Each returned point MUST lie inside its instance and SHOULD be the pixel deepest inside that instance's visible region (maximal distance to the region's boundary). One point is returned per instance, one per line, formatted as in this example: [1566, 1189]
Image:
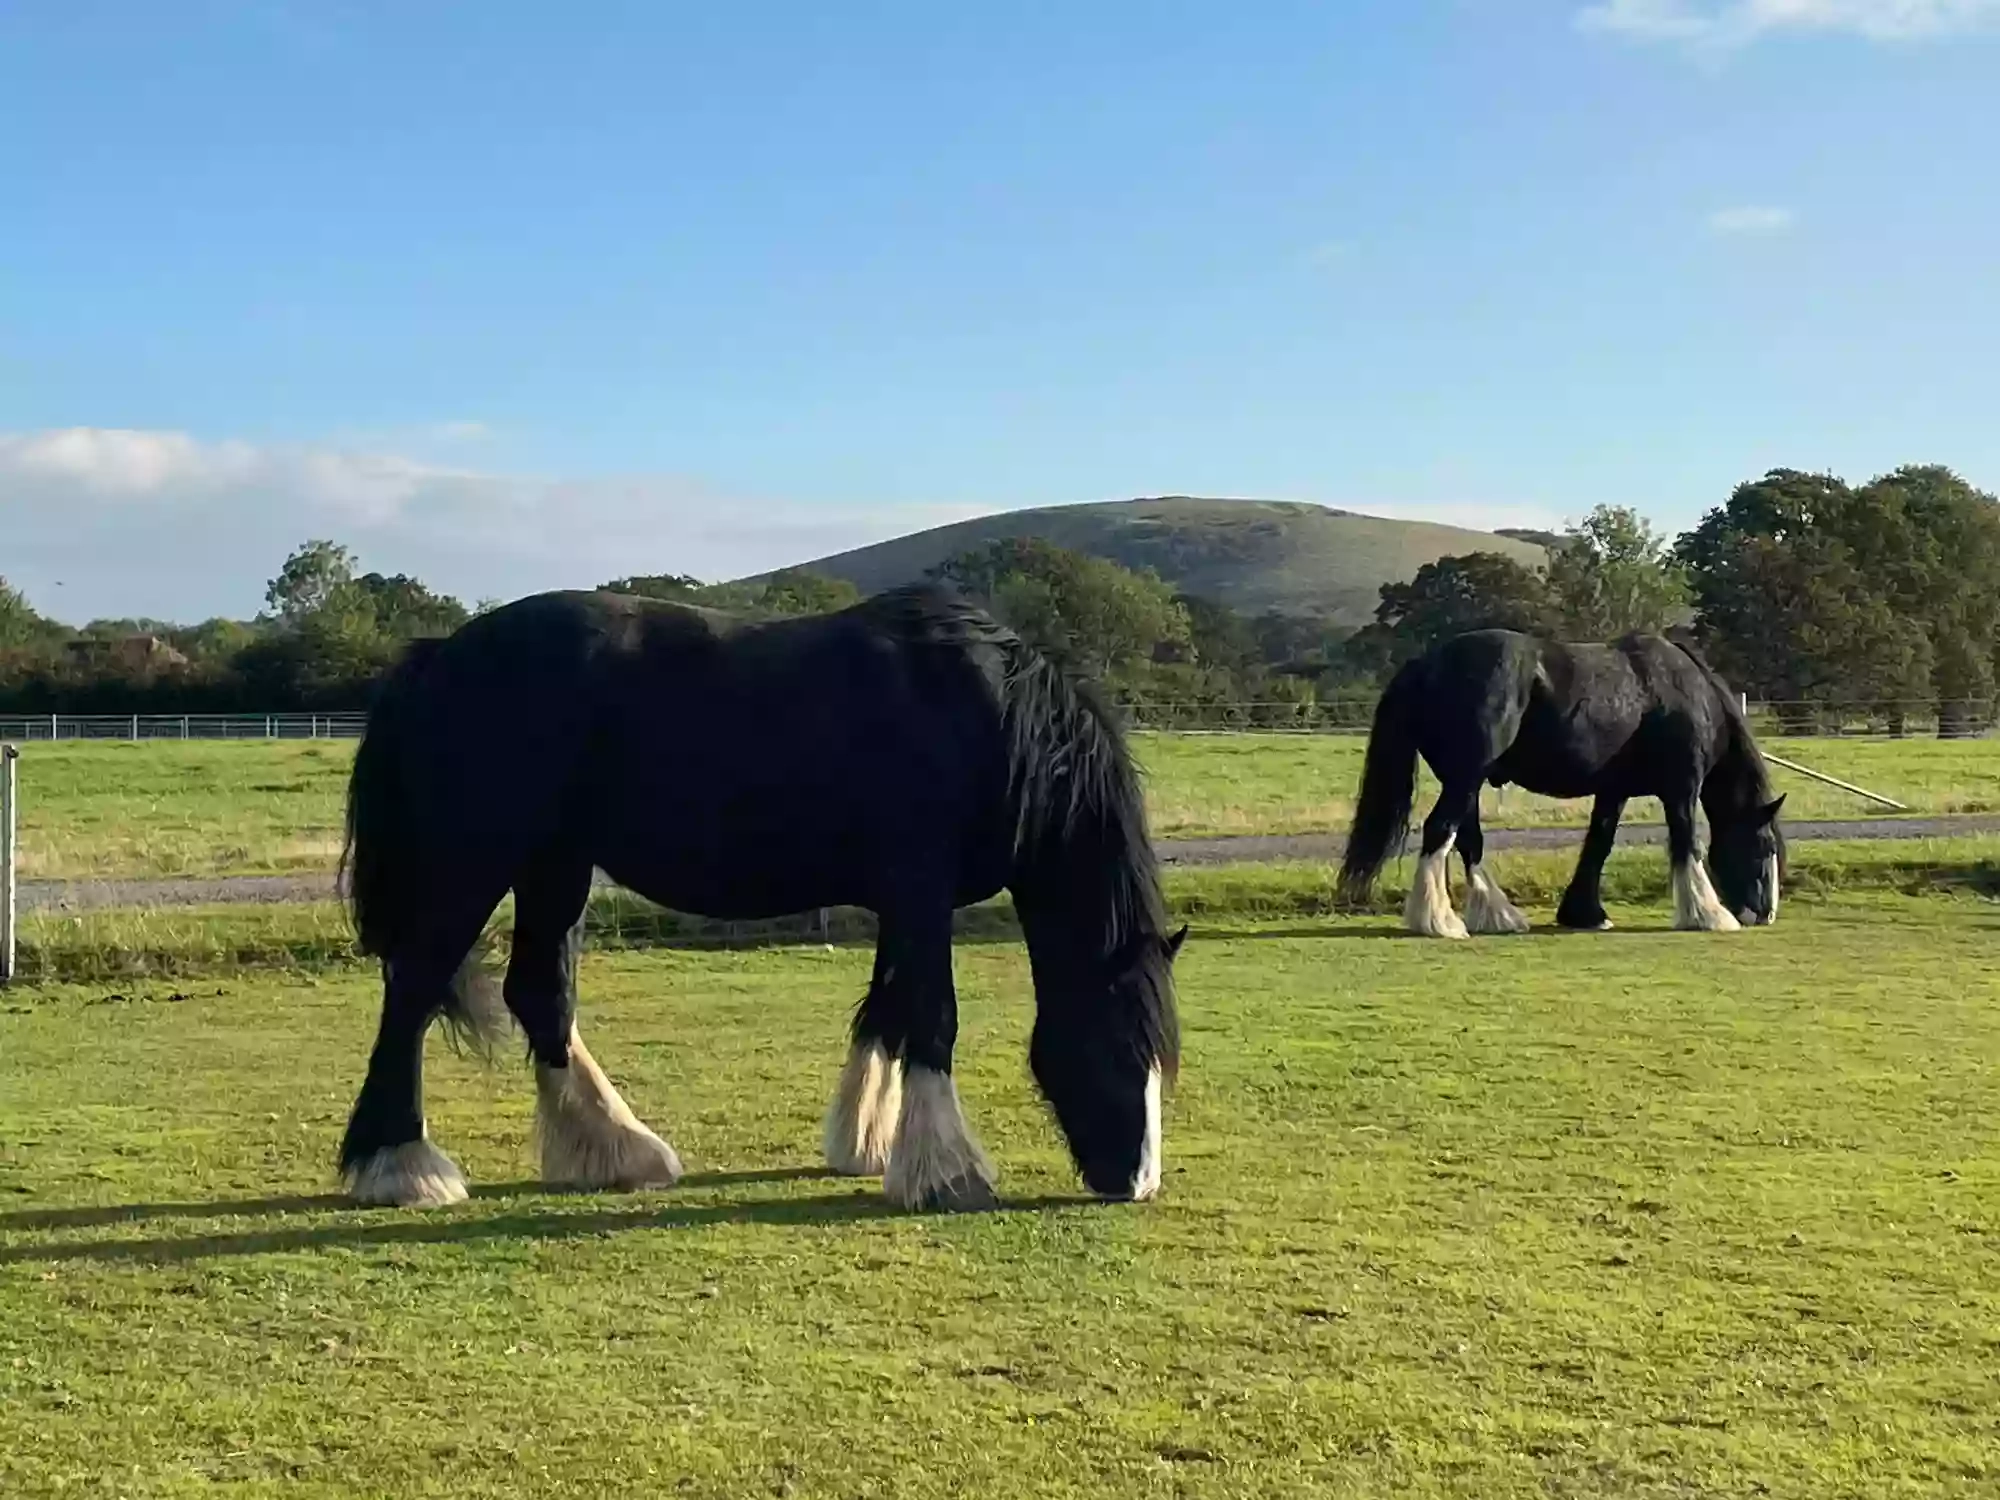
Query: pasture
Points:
[1639, 1213]
[166, 808]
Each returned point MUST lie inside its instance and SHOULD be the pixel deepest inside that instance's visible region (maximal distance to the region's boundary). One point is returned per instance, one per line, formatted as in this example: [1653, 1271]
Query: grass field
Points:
[169, 808]
[138, 943]
[1634, 1214]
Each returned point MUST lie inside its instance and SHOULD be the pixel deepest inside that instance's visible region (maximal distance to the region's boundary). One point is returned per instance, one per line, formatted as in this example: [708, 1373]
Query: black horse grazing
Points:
[1642, 717]
[907, 756]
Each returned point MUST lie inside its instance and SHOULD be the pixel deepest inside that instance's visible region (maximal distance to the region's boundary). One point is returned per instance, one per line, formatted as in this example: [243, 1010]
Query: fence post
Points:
[9, 785]
[135, 727]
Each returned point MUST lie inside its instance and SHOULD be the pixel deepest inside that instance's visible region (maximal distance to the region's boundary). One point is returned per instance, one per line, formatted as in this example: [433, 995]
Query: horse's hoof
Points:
[1583, 923]
[413, 1175]
[962, 1195]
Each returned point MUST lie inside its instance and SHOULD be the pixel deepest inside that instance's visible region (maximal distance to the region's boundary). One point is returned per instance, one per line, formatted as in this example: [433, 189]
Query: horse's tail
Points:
[1388, 783]
[1081, 843]
[381, 860]
[378, 862]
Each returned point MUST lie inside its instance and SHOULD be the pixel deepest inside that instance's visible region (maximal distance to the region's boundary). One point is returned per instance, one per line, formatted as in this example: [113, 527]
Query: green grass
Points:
[172, 808]
[1278, 783]
[181, 808]
[139, 943]
[1633, 1214]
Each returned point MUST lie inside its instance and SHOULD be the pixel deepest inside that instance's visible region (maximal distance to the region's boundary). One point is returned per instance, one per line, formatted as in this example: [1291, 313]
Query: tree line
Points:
[1829, 599]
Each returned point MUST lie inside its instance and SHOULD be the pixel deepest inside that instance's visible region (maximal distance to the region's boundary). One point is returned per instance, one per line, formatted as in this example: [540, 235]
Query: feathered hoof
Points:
[1500, 921]
[597, 1157]
[1446, 924]
[969, 1194]
[1708, 921]
[413, 1175]
[861, 1122]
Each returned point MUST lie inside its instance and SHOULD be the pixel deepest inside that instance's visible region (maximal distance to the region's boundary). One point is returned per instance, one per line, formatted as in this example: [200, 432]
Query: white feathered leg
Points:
[1696, 906]
[1487, 909]
[861, 1123]
[1427, 911]
[935, 1162]
[589, 1138]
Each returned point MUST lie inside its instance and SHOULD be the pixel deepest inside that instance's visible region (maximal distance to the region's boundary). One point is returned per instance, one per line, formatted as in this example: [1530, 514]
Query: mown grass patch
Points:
[1635, 1214]
[95, 810]
[1222, 784]
[162, 942]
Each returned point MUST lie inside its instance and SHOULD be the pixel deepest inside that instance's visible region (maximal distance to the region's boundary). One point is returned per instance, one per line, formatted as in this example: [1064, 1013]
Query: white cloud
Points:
[1751, 219]
[461, 431]
[1742, 22]
[105, 521]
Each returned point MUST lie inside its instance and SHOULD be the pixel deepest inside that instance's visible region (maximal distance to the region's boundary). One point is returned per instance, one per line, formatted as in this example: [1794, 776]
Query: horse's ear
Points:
[1769, 813]
[1173, 944]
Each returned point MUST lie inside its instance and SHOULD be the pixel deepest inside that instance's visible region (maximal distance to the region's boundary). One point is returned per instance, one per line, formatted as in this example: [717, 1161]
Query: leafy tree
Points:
[21, 628]
[309, 581]
[1612, 573]
[799, 591]
[1890, 591]
[1476, 591]
[681, 588]
[1221, 638]
[403, 608]
[1087, 611]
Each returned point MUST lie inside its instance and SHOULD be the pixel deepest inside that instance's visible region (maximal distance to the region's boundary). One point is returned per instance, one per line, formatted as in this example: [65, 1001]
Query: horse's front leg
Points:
[867, 1105]
[588, 1135]
[1696, 906]
[935, 1162]
[1487, 909]
[1583, 903]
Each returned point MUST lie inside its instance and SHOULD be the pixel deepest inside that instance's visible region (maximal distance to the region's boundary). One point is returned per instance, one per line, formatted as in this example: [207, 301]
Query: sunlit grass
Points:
[94, 810]
[1633, 1214]
[128, 943]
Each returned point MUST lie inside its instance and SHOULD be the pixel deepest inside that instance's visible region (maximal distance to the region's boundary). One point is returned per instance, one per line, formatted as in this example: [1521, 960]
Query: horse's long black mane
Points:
[1745, 774]
[1071, 774]
[1080, 840]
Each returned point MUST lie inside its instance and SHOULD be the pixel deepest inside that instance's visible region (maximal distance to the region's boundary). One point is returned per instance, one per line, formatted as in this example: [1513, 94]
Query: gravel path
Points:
[251, 890]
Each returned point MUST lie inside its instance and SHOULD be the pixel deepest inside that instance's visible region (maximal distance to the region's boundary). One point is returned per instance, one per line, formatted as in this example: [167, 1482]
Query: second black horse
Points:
[1642, 717]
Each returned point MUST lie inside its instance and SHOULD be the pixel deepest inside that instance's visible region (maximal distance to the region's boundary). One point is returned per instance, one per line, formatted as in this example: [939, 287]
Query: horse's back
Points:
[732, 767]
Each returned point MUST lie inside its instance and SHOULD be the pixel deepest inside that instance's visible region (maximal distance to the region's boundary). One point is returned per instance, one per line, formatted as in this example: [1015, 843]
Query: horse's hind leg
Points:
[934, 1162]
[386, 1155]
[1487, 909]
[1427, 910]
[861, 1122]
[588, 1136]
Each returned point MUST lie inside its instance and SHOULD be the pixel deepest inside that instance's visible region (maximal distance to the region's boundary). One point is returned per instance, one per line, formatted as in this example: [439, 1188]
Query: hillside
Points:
[1253, 555]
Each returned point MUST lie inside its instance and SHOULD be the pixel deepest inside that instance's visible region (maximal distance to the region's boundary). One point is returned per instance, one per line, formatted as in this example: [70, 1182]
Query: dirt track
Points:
[80, 895]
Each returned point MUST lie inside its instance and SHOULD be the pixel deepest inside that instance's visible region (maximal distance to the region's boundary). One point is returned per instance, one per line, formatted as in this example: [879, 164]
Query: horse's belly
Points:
[1561, 777]
[756, 879]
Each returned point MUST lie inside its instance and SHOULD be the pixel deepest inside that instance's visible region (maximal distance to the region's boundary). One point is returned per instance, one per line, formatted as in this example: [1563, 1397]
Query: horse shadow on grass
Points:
[362, 1227]
[107, 1215]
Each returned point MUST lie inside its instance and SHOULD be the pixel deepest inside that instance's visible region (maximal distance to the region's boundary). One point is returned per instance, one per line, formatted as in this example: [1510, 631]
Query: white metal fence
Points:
[1328, 716]
[22, 727]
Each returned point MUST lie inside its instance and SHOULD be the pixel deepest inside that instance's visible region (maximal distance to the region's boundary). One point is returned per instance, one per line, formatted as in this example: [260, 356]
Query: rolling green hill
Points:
[1252, 555]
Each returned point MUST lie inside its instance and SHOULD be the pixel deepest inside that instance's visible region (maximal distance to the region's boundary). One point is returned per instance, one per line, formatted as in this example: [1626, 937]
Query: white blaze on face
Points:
[1771, 884]
[1146, 1181]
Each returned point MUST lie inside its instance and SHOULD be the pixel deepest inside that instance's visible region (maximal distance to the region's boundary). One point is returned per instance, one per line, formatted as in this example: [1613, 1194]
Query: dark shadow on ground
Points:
[376, 1227]
[105, 1215]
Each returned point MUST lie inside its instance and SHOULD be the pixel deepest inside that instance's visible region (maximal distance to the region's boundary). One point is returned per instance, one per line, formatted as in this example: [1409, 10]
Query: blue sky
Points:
[518, 295]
